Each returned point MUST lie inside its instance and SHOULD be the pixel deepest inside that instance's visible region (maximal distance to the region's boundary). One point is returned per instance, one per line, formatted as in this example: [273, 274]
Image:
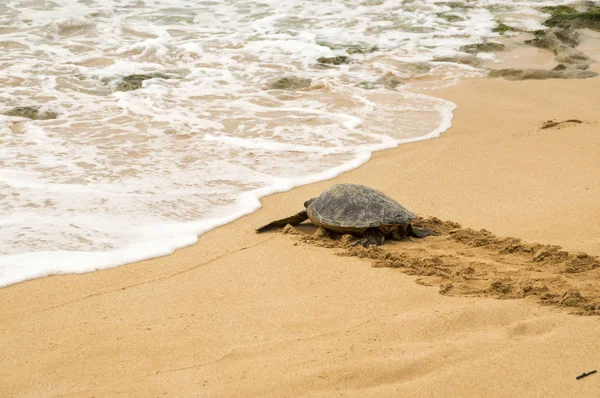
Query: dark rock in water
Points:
[133, 82]
[356, 49]
[368, 85]
[31, 112]
[554, 38]
[389, 80]
[451, 17]
[541, 74]
[339, 60]
[290, 83]
[471, 61]
[487, 47]
[456, 5]
[575, 57]
[562, 9]
[563, 42]
[573, 19]
[415, 67]
[350, 48]
[502, 28]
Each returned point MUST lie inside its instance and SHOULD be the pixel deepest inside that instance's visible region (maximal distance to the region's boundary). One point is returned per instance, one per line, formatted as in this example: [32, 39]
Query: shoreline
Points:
[97, 261]
[517, 55]
[240, 313]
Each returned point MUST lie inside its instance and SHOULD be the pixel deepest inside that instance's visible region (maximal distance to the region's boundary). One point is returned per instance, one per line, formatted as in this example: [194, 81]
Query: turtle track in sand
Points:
[465, 262]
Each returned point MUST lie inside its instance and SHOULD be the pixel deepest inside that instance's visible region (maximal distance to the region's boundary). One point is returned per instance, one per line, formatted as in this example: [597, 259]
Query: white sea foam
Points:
[124, 176]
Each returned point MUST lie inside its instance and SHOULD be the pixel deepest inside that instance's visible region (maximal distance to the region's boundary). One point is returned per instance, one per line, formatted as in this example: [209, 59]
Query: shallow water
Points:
[124, 176]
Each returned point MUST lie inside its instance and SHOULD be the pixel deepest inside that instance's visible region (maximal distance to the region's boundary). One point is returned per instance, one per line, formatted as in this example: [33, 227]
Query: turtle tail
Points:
[293, 220]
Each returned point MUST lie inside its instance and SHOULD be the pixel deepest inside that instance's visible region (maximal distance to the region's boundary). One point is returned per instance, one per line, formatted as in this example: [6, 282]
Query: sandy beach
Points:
[245, 314]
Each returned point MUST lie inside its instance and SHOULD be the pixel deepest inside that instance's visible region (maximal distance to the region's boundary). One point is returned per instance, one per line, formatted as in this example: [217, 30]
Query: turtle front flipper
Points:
[372, 236]
[293, 220]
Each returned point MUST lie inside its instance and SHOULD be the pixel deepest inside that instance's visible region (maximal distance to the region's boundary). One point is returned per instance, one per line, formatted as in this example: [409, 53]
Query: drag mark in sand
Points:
[465, 262]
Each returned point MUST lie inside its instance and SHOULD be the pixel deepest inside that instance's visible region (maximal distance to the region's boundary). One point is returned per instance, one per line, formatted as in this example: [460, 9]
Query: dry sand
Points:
[245, 314]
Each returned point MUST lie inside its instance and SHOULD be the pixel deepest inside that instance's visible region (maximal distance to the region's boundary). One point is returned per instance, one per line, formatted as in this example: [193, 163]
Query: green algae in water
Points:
[567, 16]
[588, 19]
[502, 28]
[451, 17]
[455, 5]
[559, 10]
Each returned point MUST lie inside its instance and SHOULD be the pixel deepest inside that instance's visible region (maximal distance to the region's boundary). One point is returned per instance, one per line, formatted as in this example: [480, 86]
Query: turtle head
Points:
[309, 202]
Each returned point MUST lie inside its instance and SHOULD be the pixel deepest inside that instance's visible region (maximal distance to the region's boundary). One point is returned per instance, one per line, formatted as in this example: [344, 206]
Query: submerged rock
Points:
[562, 9]
[456, 5]
[338, 60]
[562, 42]
[574, 57]
[471, 61]
[368, 85]
[358, 49]
[568, 17]
[451, 17]
[554, 38]
[541, 74]
[350, 48]
[502, 28]
[487, 47]
[133, 82]
[290, 83]
[389, 80]
[31, 112]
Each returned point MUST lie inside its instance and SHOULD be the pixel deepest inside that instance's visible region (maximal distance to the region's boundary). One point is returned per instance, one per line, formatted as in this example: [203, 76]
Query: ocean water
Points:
[124, 176]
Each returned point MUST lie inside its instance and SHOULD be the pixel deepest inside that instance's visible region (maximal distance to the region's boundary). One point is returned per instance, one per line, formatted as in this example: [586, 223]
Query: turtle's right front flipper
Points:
[293, 220]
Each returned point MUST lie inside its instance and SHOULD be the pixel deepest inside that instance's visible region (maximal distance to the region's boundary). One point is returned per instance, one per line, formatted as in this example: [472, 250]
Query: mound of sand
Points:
[465, 262]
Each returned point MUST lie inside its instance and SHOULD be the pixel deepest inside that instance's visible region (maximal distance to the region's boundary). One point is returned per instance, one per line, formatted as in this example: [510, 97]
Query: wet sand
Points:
[245, 314]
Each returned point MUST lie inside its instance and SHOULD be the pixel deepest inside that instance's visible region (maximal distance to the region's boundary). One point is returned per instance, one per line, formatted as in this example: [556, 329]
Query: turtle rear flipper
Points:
[293, 220]
[372, 236]
[421, 232]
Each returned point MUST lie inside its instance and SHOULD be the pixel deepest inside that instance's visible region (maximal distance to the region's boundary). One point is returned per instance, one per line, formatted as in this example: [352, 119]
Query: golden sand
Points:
[243, 314]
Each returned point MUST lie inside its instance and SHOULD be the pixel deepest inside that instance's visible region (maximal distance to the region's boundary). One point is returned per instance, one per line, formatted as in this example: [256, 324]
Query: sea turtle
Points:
[357, 210]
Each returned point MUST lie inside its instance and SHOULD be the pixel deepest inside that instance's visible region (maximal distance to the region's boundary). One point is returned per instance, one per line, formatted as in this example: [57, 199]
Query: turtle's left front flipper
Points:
[293, 220]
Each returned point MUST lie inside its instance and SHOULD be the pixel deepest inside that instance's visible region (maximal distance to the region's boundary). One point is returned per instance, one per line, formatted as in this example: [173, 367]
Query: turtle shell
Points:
[350, 206]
